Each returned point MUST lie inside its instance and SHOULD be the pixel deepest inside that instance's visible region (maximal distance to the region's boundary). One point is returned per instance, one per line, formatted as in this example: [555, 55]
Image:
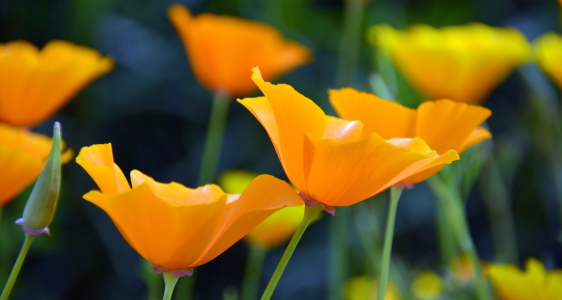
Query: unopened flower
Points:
[461, 63]
[333, 161]
[35, 84]
[223, 49]
[442, 124]
[174, 227]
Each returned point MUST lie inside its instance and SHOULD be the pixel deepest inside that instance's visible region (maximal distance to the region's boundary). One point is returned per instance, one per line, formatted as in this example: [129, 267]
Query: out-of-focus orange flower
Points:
[442, 124]
[334, 161]
[223, 49]
[175, 227]
[277, 228]
[535, 283]
[548, 55]
[461, 63]
[35, 83]
[364, 288]
[22, 156]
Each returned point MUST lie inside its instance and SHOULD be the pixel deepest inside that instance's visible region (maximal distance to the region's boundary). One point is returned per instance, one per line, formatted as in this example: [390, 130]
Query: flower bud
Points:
[40, 208]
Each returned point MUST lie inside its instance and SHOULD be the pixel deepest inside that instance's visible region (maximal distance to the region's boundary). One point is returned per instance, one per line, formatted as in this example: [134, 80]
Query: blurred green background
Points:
[155, 114]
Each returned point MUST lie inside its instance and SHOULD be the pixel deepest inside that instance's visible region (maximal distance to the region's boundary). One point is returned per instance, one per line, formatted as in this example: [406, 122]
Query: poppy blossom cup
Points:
[442, 124]
[35, 84]
[223, 49]
[174, 227]
[334, 161]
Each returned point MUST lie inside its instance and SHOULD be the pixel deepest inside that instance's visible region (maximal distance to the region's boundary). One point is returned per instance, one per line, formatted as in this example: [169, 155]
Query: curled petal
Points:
[97, 160]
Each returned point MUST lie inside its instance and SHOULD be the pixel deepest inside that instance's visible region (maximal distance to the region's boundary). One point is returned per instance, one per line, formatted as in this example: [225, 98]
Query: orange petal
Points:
[38, 83]
[344, 174]
[446, 125]
[264, 196]
[386, 118]
[167, 233]
[222, 68]
[479, 134]
[294, 115]
[277, 228]
[18, 171]
[97, 160]
[342, 130]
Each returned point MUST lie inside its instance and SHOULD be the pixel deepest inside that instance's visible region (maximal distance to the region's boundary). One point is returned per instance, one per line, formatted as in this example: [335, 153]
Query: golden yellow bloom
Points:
[535, 283]
[548, 55]
[365, 288]
[426, 286]
[442, 124]
[22, 156]
[175, 227]
[277, 228]
[223, 49]
[461, 63]
[35, 84]
[334, 161]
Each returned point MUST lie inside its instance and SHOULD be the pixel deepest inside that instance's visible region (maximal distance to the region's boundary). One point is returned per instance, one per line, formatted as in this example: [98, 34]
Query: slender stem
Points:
[310, 214]
[449, 198]
[350, 42]
[213, 143]
[395, 192]
[17, 266]
[338, 253]
[169, 283]
[495, 196]
[252, 274]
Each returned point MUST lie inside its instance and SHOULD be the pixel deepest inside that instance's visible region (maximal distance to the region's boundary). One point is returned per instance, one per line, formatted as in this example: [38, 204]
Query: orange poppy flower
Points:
[461, 63]
[277, 228]
[22, 156]
[223, 49]
[442, 124]
[333, 161]
[35, 84]
[175, 227]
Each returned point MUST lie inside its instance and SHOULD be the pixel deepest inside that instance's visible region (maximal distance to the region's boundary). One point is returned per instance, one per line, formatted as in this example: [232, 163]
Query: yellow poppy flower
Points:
[461, 63]
[35, 84]
[223, 49]
[334, 161]
[365, 288]
[548, 55]
[442, 124]
[22, 156]
[535, 283]
[427, 286]
[277, 228]
[174, 227]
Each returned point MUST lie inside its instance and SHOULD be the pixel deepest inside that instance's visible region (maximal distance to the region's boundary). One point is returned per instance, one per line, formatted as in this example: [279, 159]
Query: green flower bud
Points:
[40, 207]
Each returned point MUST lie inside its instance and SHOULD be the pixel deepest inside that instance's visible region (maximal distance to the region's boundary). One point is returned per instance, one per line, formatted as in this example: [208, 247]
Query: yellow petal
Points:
[264, 196]
[97, 160]
[386, 118]
[447, 125]
[224, 68]
[343, 174]
[547, 53]
[277, 228]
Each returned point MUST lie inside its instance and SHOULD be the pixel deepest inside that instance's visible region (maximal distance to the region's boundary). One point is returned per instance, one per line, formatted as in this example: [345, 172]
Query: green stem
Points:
[496, 199]
[17, 266]
[252, 274]
[395, 192]
[169, 283]
[338, 240]
[310, 214]
[213, 143]
[449, 198]
[350, 42]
